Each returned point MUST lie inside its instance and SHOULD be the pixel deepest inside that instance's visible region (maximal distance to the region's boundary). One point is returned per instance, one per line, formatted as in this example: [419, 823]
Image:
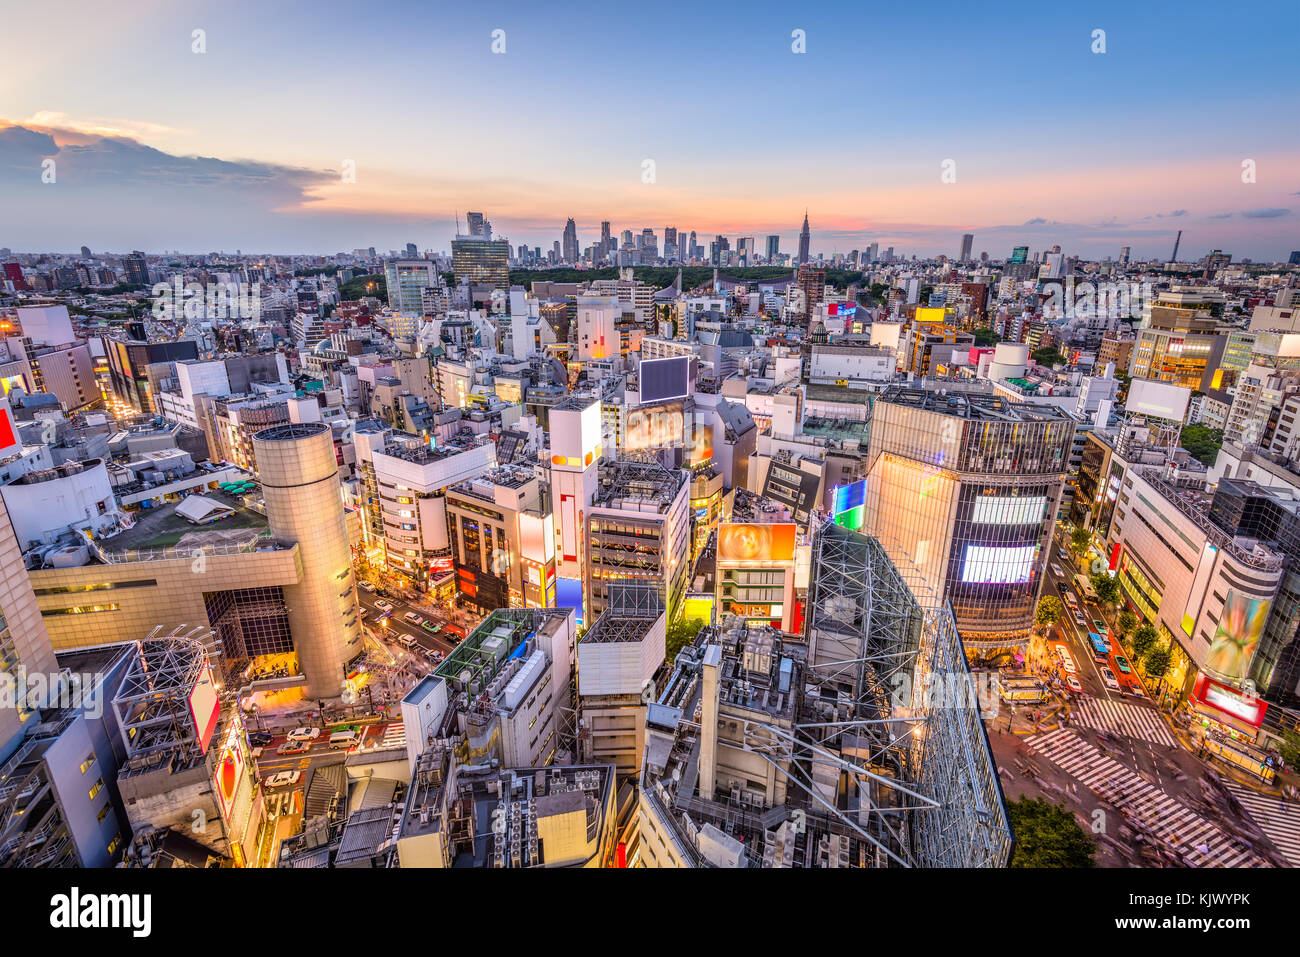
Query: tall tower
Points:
[804, 237]
[967, 242]
[570, 248]
[299, 476]
[1179, 239]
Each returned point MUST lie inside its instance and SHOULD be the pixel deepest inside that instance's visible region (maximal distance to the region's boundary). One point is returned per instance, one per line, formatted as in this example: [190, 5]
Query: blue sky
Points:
[1051, 142]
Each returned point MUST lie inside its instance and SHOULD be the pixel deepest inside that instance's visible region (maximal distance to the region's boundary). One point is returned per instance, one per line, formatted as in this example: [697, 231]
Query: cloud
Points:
[1220, 216]
[1270, 212]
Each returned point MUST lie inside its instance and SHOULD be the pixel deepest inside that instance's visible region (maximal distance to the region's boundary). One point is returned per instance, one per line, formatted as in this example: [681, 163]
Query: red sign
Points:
[1114, 555]
[1237, 706]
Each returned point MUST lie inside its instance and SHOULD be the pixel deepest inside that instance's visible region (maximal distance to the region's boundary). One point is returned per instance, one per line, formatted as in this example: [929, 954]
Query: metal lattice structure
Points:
[153, 702]
[890, 704]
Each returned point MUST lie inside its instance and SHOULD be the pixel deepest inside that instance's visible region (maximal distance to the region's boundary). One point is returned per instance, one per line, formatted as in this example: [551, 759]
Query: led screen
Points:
[1009, 510]
[984, 564]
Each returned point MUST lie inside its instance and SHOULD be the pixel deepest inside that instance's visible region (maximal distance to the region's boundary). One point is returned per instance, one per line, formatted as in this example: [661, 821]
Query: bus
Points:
[1085, 588]
[1100, 646]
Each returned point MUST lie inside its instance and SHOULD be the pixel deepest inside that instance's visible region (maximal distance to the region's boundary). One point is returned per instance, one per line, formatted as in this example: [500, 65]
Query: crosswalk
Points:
[395, 735]
[1204, 843]
[1136, 721]
[1279, 819]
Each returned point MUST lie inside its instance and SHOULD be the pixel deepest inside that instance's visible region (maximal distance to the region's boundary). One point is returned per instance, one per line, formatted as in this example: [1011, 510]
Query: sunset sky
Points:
[158, 147]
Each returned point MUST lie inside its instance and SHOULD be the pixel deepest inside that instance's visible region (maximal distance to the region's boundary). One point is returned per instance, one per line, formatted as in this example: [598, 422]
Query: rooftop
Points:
[968, 405]
[164, 528]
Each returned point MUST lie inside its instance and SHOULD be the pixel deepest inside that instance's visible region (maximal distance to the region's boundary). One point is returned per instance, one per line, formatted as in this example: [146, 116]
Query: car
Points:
[367, 586]
[1080, 620]
[1072, 682]
[282, 779]
[430, 627]
[413, 618]
[1057, 570]
[259, 739]
[1108, 679]
[1069, 598]
[303, 734]
[293, 747]
[384, 605]
[1122, 664]
[1099, 627]
[365, 612]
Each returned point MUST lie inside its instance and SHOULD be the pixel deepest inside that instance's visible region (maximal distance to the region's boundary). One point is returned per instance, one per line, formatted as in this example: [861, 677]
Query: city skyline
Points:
[200, 162]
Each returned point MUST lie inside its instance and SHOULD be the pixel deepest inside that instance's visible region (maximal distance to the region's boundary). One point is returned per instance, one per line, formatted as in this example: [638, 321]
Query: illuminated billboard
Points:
[1163, 400]
[931, 313]
[1228, 701]
[1009, 509]
[204, 710]
[1237, 636]
[658, 427]
[742, 542]
[998, 565]
[848, 505]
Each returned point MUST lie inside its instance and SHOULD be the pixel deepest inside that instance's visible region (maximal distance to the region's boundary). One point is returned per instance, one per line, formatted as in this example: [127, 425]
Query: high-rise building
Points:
[569, 244]
[406, 280]
[1019, 255]
[967, 241]
[773, 248]
[1124, 254]
[482, 262]
[298, 471]
[478, 226]
[805, 238]
[137, 271]
[966, 487]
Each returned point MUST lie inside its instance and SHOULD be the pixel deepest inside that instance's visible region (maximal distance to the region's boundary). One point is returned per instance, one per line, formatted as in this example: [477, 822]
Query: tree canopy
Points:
[1048, 835]
[1202, 442]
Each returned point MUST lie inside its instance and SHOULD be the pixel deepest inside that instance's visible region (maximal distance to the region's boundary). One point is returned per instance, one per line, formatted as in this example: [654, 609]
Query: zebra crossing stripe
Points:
[1167, 818]
[1278, 819]
[1131, 720]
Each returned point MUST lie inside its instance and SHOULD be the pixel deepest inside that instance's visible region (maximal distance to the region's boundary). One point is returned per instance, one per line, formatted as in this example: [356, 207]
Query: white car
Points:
[1080, 620]
[1057, 571]
[282, 779]
[367, 586]
[304, 734]
[384, 605]
[1072, 682]
[1067, 662]
[1108, 679]
[413, 618]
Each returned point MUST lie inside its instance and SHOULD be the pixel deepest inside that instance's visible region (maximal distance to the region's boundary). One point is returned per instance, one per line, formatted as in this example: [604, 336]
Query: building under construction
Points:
[861, 746]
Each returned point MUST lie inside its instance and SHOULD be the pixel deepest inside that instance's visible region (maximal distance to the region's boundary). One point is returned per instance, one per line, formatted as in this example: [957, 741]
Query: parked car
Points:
[304, 734]
[293, 747]
[367, 586]
[430, 627]
[282, 779]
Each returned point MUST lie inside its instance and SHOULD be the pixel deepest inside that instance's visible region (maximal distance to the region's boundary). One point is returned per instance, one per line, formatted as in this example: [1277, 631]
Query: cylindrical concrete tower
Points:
[299, 477]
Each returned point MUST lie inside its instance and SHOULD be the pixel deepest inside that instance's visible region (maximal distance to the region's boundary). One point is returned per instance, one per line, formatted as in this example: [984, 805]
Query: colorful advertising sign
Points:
[848, 505]
[740, 542]
[1237, 636]
[1229, 701]
[204, 710]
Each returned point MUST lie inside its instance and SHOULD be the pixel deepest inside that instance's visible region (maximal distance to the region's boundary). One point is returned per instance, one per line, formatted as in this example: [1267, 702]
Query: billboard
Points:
[664, 379]
[204, 709]
[1164, 400]
[1229, 701]
[743, 542]
[848, 505]
[658, 427]
[998, 565]
[931, 313]
[1237, 636]
[1009, 509]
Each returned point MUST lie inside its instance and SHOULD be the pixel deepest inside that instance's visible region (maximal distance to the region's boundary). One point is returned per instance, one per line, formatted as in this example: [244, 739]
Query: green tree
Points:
[1080, 539]
[986, 337]
[1048, 835]
[1106, 587]
[1202, 442]
[1127, 622]
[1050, 609]
[680, 634]
[1144, 640]
[1048, 357]
[1157, 661]
[1290, 748]
[358, 286]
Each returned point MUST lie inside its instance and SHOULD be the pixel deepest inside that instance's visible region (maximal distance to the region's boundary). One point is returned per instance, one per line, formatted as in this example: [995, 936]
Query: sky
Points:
[242, 136]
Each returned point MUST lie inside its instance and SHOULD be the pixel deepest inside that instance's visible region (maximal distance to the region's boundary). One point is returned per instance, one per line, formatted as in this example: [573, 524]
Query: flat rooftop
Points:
[161, 527]
[634, 484]
[969, 405]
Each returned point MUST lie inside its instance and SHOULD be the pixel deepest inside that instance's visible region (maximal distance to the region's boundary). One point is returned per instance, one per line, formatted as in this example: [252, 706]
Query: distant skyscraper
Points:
[85, 252]
[967, 241]
[569, 243]
[1295, 258]
[773, 248]
[1124, 254]
[406, 280]
[478, 226]
[412, 252]
[136, 269]
[1020, 254]
[606, 240]
[805, 237]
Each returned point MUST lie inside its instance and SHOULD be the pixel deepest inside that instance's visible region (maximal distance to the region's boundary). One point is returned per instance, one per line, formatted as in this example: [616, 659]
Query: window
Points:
[103, 813]
[115, 843]
[87, 764]
[96, 788]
